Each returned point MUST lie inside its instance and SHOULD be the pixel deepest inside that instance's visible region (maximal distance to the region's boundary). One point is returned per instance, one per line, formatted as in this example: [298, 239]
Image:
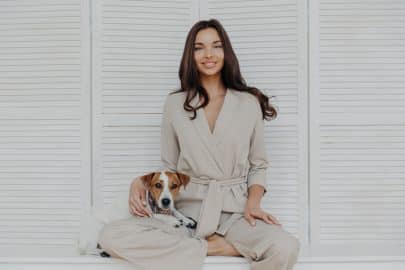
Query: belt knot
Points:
[212, 205]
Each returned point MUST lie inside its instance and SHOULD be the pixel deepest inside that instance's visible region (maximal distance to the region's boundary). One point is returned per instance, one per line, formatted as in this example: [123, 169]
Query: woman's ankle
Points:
[218, 246]
[212, 249]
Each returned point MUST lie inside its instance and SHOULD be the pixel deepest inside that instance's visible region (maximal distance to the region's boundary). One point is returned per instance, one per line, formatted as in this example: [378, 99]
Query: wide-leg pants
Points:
[153, 245]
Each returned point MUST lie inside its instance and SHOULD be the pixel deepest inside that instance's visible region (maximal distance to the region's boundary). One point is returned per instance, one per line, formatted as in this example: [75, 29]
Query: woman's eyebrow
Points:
[200, 43]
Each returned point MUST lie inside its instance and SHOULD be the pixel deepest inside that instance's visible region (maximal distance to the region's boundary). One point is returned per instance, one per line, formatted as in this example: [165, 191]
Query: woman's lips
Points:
[209, 64]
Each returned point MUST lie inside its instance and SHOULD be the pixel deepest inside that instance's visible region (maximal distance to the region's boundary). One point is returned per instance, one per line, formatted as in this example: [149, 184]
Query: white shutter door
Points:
[271, 51]
[137, 51]
[357, 127]
[44, 123]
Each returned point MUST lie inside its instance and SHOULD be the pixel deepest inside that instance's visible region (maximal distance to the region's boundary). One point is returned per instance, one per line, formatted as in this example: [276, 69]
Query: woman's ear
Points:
[184, 179]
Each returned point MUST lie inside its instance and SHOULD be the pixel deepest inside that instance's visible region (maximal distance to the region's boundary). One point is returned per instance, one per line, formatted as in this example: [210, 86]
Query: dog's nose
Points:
[166, 201]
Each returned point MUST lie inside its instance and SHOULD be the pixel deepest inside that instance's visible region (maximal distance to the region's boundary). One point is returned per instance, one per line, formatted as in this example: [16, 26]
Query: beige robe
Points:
[222, 165]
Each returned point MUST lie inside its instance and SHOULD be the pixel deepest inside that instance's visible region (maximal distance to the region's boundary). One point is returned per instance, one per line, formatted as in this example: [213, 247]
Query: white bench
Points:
[212, 263]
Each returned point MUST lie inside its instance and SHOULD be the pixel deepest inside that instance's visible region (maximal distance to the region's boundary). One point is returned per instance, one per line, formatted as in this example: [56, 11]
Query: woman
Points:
[213, 131]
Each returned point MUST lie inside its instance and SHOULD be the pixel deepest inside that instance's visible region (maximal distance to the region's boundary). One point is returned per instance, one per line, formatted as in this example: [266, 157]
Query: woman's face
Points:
[208, 52]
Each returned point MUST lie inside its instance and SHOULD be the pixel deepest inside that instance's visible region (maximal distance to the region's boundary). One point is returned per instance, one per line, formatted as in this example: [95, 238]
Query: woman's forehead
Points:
[207, 36]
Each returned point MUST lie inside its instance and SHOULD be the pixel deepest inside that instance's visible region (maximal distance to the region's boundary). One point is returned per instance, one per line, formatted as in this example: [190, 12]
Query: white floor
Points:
[58, 259]
[212, 263]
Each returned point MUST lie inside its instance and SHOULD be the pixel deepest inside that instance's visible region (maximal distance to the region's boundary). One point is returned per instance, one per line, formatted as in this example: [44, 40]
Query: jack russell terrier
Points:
[162, 190]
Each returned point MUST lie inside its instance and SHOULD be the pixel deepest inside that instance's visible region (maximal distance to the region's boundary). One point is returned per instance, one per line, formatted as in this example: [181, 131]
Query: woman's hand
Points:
[253, 211]
[137, 199]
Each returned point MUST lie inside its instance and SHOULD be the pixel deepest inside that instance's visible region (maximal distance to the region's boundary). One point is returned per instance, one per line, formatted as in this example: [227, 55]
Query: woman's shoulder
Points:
[247, 100]
[173, 98]
[173, 101]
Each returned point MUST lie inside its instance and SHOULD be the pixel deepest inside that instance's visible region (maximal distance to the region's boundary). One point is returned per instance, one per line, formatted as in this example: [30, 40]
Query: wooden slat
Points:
[137, 48]
[42, 152]
[357, 126]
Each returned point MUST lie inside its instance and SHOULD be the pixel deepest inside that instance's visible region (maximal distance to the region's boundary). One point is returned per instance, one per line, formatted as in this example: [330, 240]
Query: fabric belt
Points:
[212, 205]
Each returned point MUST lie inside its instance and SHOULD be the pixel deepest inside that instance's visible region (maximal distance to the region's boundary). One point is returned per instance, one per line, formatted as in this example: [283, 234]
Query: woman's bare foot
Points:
[218, 246]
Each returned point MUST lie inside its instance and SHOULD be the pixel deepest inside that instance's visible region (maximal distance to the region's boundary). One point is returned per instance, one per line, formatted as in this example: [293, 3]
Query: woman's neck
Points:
[213, 85]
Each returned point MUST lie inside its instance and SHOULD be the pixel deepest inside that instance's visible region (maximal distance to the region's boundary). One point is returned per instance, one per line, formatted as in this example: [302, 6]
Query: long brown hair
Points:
[230, 73]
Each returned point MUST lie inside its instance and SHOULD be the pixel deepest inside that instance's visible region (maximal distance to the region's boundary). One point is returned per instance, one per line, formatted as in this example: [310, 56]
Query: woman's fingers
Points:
[273, 219]
[134, 208]
[137, 207]
[143, 203]
[136, 212]
[142, 199]
[250, 219]
[268, 219]
[131, 207]
[137, 200]
[140, 205]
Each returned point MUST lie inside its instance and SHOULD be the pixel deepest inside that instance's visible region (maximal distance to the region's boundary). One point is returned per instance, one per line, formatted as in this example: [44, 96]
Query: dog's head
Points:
[164, 186]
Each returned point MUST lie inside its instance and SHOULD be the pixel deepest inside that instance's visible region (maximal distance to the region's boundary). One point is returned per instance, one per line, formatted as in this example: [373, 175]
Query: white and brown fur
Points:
[162, 189]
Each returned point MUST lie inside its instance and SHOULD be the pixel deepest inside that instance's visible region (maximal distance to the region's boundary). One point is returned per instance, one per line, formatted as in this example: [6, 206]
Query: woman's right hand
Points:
[137, 199]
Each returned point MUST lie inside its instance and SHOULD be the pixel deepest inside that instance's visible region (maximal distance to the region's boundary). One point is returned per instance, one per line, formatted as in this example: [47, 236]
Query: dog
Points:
[162, 189]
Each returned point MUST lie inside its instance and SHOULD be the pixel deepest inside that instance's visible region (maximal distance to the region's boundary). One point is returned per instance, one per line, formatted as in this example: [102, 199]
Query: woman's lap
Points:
[141, 242]
[254, 242]
[148, 243]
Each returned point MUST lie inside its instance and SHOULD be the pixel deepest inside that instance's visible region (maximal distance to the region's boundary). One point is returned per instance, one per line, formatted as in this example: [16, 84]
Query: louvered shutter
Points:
[137, 51]
[357, 127]
[266, 40]
[44, 123]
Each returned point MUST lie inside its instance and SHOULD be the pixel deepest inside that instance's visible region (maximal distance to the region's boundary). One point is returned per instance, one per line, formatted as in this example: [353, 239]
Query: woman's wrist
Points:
[253, 203]
[255, 194]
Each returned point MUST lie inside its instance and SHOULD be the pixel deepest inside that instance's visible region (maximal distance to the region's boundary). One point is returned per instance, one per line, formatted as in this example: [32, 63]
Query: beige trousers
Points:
[150, 244]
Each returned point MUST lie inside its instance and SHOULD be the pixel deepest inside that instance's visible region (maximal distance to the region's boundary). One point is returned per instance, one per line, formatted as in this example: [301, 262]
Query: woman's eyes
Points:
[199, 48]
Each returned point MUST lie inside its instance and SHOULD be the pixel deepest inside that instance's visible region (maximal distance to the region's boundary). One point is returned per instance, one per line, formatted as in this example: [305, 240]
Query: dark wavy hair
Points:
[230, 73]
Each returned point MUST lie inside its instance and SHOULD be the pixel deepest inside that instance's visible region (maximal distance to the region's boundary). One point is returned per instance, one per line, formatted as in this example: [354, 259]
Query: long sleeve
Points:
[169, 146]
[257, 154]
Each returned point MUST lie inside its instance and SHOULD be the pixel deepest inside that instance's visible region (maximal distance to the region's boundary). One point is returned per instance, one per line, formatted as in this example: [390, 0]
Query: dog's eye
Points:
[158, 185]
[174, 186]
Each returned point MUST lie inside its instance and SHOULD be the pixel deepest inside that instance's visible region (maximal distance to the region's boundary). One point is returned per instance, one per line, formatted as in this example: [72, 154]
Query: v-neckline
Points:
[207, 126]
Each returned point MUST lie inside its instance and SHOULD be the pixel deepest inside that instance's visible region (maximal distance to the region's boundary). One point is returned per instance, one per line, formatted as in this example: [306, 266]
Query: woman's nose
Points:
[208, 52]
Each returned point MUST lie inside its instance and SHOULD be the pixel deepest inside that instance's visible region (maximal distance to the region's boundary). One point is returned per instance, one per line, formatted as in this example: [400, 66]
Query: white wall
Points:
[45, 158]
[357, 126]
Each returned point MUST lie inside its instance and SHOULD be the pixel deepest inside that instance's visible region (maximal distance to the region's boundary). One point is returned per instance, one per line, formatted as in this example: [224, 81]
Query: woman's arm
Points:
[257, 175]
[255, 194]
[258, 161]
[169, 145]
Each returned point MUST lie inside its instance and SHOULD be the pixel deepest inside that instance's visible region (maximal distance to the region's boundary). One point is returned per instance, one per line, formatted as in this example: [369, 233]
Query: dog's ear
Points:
[184, 179]
[147, 179]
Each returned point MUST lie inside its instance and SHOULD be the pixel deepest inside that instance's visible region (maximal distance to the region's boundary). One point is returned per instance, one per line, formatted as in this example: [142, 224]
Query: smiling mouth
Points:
[209, 65]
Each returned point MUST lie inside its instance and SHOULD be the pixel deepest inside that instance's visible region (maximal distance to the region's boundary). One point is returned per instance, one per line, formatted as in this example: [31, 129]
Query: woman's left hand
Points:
[254, 211]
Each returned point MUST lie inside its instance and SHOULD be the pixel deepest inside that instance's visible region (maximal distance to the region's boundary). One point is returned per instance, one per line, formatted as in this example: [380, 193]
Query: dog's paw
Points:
[190, 223]
[177, 223]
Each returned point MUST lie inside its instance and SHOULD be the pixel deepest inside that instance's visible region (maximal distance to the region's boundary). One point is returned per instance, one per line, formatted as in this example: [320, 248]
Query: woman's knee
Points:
[286, 248]
[107, 238]
[292, 246]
